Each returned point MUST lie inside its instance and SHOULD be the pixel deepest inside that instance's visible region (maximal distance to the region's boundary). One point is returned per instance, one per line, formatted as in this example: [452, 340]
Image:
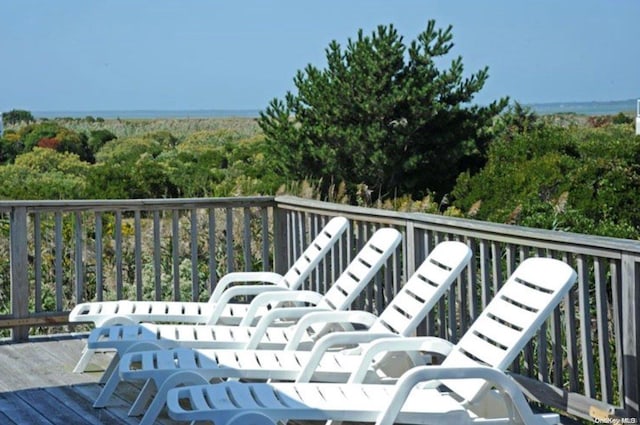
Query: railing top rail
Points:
[550, 239]
[136, 204]
[566, 241]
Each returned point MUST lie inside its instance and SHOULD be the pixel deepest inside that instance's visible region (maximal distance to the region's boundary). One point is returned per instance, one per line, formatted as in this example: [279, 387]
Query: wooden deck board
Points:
[76, 401]
[38, 386]
[54, 410]
[19, 412]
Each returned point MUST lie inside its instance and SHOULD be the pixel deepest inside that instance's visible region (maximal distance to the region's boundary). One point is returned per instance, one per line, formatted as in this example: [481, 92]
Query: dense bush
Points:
[17, 116]
[45, 174]
[49, 134]
[622, 118]
[215, 162]
[577, 179]
[10, 146]
[205, 163]
[220, 163]
[98, 138]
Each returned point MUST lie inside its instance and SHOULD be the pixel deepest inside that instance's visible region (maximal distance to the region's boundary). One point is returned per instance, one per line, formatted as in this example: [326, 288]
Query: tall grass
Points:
[179, 127]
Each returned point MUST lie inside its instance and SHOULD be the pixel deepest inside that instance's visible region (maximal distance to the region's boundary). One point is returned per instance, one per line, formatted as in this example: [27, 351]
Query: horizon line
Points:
[259, 109]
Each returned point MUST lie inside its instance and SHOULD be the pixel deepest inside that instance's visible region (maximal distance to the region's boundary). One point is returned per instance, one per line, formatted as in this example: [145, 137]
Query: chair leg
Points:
[146, 393]
[160, 400]
[85, 358]
[112, 369]
[107, 391]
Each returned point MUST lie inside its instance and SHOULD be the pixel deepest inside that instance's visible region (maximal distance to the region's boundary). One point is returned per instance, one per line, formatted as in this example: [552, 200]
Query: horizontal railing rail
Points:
[583, 360]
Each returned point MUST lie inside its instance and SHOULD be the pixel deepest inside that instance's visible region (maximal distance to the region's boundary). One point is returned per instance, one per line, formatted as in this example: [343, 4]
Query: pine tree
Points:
[383, 114]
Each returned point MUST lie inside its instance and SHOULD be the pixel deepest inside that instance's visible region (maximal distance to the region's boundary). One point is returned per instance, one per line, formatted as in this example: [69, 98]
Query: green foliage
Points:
[17, 116]
[98, 138]
[49, 134]
[10, 146]
[70, 141]
[206, 163]
[622, 118]
[382, 114]
[516, 119]
[573, 179]
[574, 176]
[31, 134]
[196, 164]
[220, 163]
[164, 138]
[129, 168]
[128, 150]
[248, 170]
[44, 174]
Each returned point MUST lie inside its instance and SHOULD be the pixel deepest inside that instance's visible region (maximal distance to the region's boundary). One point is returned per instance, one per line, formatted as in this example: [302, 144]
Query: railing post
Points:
[631, 334]
[19, 261]
[78, 259]
[280, 263]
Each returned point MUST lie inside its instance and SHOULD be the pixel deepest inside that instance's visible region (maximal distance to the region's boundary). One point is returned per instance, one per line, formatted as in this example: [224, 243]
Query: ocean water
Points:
[584, 108]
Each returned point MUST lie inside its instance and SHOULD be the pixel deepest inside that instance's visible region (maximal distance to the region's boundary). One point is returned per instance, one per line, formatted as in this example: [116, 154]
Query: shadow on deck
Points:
[37, 386]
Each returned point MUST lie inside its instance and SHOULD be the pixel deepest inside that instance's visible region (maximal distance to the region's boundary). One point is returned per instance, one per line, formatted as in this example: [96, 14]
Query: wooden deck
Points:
[37, 386]
[43, 239]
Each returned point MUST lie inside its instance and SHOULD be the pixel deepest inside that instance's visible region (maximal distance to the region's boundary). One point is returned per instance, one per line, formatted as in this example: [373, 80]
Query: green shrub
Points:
[622, 118]
[579, 179]
[17, 116]
[44, 174]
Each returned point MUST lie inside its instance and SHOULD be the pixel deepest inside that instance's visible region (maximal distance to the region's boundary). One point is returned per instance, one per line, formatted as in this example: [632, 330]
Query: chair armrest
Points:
[336, 339]
[273, 297]
[494, 377]
[235, 277]
[82, 309]
[429, 344]
[237, 291]
[277, 314]
[363, 318]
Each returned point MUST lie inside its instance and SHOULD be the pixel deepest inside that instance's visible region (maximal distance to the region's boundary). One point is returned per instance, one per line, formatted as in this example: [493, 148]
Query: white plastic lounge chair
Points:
[219, 309]
[164, 369]
[409, 401]
[339, 297]
[468, 387]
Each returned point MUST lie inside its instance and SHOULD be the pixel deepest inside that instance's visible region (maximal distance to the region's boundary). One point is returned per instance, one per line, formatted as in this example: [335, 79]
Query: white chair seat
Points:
[316, 401]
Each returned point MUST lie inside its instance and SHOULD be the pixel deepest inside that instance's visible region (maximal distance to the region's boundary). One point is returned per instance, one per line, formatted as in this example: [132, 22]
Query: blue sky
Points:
[84, 55]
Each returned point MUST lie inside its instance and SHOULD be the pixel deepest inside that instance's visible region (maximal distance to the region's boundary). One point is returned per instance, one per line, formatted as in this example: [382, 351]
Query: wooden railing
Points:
[62, 252]
[584, 361]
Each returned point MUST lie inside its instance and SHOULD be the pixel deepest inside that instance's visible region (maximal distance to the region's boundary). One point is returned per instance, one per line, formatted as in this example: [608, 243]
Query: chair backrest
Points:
[510, 320]
[315, 252]
[361, 270]
[423, 290]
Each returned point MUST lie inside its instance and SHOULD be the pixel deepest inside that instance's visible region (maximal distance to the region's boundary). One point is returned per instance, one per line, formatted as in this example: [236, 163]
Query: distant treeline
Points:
[558, 172]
